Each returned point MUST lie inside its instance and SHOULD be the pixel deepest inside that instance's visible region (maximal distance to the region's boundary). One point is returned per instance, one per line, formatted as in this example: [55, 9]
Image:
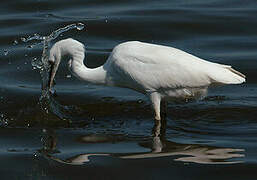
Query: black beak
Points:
[51, 75]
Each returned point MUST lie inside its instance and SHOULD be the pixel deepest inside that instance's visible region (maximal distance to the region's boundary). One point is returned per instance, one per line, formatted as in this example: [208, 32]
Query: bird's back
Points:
[153, 67]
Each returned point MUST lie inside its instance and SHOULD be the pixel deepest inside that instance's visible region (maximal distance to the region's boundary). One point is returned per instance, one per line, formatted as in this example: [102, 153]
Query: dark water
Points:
[106, 133]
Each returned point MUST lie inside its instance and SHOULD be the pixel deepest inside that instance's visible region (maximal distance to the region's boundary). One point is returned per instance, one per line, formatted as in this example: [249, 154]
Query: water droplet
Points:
[140, 101]
[36, 64]
[23, 39]
[80, 26]
[15, 42]
[106, 21]
[29, 46]
[6, 52]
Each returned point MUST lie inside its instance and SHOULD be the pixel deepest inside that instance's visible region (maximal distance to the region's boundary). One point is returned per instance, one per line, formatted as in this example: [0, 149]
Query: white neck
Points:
[76, 51]
[94, 76]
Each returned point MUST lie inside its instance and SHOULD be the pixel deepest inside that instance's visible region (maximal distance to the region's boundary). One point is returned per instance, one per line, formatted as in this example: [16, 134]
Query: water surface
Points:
[106, 133]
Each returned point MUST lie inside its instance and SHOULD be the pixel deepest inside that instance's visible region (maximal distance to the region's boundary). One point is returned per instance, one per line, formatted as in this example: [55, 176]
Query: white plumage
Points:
[160, 72]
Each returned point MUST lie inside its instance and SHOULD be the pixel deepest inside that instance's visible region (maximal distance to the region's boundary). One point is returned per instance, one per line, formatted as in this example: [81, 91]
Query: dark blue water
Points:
[107, 133]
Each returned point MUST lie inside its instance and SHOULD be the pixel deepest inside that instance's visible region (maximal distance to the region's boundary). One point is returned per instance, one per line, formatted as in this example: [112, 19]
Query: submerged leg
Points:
[160, 126]
[159, 129]
[156, 103]
[158, 133]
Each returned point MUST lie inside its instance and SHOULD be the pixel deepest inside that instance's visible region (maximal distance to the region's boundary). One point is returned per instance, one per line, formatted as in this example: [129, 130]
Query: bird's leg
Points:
[156, 131]
[156, 141]
[159, 128]
[156, 102]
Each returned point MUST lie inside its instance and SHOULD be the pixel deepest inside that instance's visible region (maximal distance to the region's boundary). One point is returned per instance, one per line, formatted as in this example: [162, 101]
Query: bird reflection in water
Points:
[159, 147]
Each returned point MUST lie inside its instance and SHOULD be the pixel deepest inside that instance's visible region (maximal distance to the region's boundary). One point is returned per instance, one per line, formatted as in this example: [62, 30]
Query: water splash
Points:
[46, 101]
[3, 120]
[15, 42]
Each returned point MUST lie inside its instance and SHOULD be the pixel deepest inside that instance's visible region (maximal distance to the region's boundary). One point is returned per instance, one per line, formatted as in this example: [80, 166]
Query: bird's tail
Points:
[227, 75]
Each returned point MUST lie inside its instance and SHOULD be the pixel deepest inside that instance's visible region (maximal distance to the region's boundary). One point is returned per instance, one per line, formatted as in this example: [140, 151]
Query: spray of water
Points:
[46, 101]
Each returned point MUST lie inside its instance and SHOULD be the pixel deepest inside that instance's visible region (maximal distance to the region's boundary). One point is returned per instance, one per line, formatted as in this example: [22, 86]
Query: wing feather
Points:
[152, 67]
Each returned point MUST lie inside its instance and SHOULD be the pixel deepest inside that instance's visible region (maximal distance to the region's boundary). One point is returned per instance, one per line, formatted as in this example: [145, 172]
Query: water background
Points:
[106, 133]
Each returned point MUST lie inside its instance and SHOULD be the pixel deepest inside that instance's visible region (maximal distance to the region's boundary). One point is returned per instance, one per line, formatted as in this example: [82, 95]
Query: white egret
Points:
[160, 72]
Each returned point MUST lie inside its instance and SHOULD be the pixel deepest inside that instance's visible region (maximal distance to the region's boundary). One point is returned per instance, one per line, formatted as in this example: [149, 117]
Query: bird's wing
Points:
[154, 67]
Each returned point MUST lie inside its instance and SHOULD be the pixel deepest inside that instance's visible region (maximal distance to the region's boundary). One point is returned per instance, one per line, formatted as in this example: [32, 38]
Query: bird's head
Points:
[66, 47]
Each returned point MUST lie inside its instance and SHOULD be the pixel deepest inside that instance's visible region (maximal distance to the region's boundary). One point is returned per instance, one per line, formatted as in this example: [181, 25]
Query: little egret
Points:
[160, 72]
